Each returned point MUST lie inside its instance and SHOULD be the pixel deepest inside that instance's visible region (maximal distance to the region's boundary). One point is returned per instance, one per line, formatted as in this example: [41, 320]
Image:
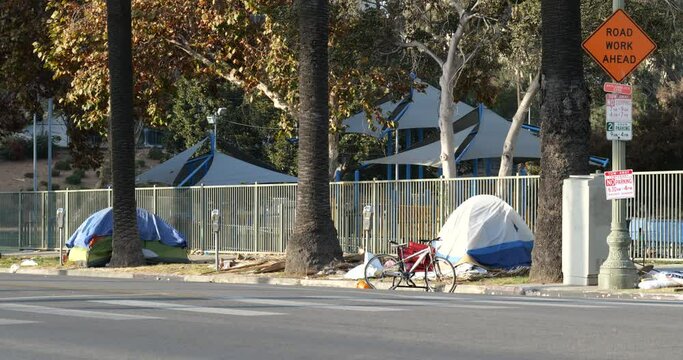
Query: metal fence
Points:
[260, 218]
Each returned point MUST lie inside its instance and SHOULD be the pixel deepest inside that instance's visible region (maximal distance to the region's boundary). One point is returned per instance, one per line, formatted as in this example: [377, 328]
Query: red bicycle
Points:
[416, 265]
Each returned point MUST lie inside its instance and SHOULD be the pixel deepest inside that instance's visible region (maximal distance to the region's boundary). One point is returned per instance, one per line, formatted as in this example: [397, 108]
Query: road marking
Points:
[278, 302]
[435, 304]
[182, 307]
[15, 322]
[538, 303]
[68, 297]
[72, 312]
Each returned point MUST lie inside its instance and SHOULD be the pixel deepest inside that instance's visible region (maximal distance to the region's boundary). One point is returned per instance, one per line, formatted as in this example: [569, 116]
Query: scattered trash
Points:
[362, 284]
[14, 268]
[29, 262]
[357, 272]
[661, 279]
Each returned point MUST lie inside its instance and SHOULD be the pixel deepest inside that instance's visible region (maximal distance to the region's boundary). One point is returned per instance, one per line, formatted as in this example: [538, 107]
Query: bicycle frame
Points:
[421, 256]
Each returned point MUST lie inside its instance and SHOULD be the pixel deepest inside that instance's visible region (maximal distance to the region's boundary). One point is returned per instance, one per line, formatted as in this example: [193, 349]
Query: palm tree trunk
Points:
[126, 247]
[313, 243]
[565, 129]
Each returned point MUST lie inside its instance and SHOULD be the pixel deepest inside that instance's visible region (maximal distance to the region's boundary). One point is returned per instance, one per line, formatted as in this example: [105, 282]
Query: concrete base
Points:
[620, 277]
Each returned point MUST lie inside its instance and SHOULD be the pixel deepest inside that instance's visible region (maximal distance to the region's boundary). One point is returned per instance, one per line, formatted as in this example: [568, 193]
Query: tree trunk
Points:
[333, 153]
[446, 125]
[506, 159]
[565, 129]
[126, 246]
[446, 104]
[314, 242]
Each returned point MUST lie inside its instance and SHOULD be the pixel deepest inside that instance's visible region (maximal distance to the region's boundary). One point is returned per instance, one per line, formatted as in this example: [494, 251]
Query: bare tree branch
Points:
[423, 48]
[228, 73]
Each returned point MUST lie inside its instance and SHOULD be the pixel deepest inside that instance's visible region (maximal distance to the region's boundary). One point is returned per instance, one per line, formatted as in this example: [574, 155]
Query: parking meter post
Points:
[60, 226]
[216, 226]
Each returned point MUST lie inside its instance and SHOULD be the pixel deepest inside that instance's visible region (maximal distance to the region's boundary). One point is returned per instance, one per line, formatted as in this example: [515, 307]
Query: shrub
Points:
[73, 179]
[15, 148]
[63, 165]
[28, 175]
[140, 163]
[155, 154]
[56, 173]
[56, 187]
[80, 173]
[43, 183]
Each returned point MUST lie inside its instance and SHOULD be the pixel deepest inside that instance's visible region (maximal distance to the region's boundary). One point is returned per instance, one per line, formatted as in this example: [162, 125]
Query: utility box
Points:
[586, 218]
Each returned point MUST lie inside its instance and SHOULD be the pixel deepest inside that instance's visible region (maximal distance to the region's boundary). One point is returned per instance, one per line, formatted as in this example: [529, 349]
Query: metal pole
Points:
[35, 154]
[49, 144]
[396, 152]
[61, 246]
[256, 214]
[215, 247]
[618, 271]
[49, 172]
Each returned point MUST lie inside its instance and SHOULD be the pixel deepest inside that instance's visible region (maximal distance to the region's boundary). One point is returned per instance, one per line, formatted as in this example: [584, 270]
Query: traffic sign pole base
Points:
[618, 271]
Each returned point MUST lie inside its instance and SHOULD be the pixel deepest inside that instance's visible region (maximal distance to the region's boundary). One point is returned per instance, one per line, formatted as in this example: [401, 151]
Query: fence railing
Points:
[260, 218]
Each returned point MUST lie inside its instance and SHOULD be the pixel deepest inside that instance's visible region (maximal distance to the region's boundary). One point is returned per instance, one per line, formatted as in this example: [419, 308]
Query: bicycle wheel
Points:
[383, 272]
[441, 276]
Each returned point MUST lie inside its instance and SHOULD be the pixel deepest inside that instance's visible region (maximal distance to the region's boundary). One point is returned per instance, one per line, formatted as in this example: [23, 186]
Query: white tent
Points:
[167, 172]
[486, 230]
[421, 111]
[227, 170]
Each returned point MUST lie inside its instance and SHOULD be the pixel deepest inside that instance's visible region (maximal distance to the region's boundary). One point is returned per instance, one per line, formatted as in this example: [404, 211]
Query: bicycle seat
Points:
[423, 241]
[395, 244]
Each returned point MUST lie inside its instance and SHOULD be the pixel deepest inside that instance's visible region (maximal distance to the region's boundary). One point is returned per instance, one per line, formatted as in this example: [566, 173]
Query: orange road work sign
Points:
[619, 45]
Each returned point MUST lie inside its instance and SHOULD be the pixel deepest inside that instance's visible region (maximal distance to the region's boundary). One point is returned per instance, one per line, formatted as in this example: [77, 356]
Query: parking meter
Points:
[60, 226]
[215, 220]
[60, 218]
[367, 217]
[367, 224]
[216, 227]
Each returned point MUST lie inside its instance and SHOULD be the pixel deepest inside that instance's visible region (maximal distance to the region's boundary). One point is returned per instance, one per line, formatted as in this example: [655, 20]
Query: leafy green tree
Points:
[126, 245]
[23, 79]
[249, 43]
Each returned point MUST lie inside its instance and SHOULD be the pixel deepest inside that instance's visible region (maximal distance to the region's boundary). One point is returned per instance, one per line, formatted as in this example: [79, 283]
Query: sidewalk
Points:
[537, 290]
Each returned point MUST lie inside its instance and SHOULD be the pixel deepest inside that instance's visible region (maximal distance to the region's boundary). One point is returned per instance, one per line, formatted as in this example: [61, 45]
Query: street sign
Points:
[619, 124]
[619, 184]
[617, 88]
[619, 45]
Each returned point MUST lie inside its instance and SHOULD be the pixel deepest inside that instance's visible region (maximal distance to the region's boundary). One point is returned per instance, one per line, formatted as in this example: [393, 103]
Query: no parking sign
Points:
[619, 184]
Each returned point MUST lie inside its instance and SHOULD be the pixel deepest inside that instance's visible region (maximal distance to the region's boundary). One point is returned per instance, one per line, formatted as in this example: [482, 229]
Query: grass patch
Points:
[43, 261]
[508, 280]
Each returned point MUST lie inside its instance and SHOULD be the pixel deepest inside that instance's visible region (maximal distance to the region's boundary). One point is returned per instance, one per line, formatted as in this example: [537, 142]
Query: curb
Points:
[531, 290]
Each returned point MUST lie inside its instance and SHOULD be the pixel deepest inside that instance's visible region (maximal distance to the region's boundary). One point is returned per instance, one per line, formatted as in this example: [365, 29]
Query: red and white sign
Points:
[619, 184]
[622, 89]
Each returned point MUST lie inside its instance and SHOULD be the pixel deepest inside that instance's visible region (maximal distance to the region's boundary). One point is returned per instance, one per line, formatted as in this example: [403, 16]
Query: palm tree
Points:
[313, 243]
[126, 247]
[565, 128]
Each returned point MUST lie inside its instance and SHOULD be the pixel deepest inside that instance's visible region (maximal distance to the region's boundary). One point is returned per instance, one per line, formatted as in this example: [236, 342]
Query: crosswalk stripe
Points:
[36, 309]
[15, 322]
[538, 303]
[423, 303]
[182, 307]
[277, 302]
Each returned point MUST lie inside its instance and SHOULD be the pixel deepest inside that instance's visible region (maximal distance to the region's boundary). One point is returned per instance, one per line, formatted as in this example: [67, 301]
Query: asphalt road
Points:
[88, 318]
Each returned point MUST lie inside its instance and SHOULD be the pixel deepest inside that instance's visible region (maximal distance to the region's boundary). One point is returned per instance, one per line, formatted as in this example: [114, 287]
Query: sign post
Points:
[619, 45]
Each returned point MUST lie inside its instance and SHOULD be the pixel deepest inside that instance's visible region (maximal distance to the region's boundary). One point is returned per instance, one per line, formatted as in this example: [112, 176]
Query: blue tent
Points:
[150, 228]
